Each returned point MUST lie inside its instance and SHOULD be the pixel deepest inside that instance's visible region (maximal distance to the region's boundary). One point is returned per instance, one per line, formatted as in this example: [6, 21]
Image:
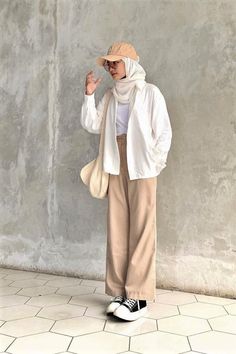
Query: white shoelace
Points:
[119, 298]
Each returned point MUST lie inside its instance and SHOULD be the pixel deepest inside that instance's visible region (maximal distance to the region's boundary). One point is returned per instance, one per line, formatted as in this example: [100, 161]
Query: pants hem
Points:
[140, 296]
[130, 294]
[119, 291]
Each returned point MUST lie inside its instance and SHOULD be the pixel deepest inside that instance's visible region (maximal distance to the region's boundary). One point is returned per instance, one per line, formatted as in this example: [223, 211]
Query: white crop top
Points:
[122, 118]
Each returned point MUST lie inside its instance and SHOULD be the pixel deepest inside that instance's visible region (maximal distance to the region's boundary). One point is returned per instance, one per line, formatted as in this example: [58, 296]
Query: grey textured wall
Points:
[49, 221]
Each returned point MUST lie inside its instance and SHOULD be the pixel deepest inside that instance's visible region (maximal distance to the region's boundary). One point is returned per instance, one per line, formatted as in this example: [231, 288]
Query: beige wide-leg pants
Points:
[131, 233]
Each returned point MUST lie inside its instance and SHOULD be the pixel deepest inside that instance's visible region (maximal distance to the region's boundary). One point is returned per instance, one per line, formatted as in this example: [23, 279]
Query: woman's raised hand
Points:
[91, 84]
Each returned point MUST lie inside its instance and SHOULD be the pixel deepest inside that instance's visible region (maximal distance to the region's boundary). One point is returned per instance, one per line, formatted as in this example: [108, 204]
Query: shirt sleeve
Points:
[161, 128]
[91, 116]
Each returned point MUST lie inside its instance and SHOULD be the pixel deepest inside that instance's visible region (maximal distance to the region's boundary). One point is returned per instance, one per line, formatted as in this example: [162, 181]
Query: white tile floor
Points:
[48, 314]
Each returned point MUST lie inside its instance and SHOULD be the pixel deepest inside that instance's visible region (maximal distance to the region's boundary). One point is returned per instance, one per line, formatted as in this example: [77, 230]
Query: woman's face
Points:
[117, 69]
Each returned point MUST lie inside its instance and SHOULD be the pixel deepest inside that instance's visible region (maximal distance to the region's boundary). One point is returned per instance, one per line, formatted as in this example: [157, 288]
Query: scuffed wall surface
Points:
[49, 222]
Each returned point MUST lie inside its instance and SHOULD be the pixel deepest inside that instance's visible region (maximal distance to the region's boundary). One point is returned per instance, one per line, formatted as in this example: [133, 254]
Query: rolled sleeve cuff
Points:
[89, 99]
[161, 157]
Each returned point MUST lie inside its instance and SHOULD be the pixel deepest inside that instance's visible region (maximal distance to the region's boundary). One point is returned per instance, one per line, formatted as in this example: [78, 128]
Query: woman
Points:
[137, 140]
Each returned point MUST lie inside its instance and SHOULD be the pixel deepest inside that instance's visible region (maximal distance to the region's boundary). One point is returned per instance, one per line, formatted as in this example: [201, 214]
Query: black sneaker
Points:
[131, 309]
[114, 304]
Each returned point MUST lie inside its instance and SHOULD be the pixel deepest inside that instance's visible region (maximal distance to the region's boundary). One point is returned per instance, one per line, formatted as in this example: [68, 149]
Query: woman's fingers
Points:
[90, 76]
[91, 84]
[98, 80]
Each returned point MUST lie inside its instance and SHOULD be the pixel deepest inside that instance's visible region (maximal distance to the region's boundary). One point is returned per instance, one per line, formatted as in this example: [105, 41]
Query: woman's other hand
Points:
[91, 84]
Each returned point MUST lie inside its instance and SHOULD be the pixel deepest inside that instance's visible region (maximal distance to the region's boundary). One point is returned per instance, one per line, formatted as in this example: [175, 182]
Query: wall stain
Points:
[53, 129]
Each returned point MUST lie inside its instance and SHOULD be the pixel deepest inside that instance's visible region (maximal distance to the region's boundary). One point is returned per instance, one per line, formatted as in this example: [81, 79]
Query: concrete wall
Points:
[49, 222]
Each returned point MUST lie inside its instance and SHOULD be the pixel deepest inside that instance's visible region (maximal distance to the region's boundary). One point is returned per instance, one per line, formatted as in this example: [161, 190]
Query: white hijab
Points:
[124, 90]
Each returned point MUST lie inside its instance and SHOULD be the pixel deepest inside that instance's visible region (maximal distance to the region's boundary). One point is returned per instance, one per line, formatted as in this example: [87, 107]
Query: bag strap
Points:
[103, 124]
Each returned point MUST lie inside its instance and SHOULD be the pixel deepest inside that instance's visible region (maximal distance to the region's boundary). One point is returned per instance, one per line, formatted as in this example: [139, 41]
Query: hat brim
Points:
[101, 60]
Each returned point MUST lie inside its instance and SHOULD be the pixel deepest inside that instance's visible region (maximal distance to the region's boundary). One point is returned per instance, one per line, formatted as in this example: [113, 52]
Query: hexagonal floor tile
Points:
[96, 311]
[142, 325]
[63, 277]
[48, 300]
[99, 343]
[176, 298]
[78, 326]
[184, 325]
[100, 290]
[12, 300]
[46, 343]
[59, 283]
[231, 309]
[26, 326]
[38, 291]
[202, 310]
[76, 290]
[127, 352]
[94, 283]
[17, 312]
[157, 310]
[91, 300]
[191, 352]
[78, 301]
[4, 282]
[162, 291]
[2, 270]
[20, 276]
[5, 270]
[2, 275]
[165, 342]
[224, 324]
[5, 341]
[7, 290]
[215, 300]
[28, 283]
[62, 312]
[213, 343]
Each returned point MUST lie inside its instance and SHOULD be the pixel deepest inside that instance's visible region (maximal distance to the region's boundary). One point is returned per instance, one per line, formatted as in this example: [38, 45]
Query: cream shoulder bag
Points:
[92, 174]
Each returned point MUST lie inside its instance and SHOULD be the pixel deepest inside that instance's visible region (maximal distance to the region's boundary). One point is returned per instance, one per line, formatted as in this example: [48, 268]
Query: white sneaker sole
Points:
[124, 313]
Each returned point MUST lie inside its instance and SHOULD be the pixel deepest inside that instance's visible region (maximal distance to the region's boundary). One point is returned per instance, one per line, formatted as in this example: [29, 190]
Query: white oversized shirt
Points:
[149, 132]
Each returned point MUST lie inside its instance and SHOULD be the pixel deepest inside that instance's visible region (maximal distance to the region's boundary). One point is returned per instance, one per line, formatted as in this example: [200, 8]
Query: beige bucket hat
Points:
[117, 51]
